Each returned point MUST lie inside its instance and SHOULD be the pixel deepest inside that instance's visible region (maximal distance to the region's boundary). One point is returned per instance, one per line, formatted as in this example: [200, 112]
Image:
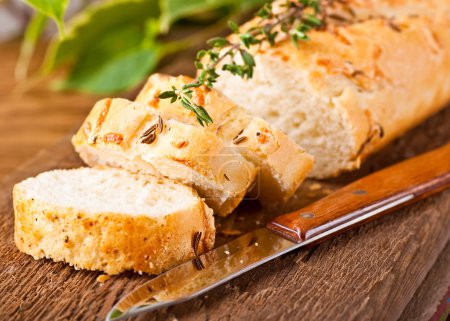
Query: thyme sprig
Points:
[294, 19]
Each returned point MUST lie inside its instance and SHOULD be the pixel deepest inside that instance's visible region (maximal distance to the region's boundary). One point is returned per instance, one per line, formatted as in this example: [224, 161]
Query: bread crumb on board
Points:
[315, 187]
[103, 278]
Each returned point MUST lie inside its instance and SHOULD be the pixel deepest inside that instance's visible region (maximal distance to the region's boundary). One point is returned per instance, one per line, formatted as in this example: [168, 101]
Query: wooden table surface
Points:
[396, 268]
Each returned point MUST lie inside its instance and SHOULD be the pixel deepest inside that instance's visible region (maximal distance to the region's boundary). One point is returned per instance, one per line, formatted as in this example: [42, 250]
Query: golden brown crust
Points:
[110, 242]
[390, 68]
[402, 69]
[130, 137]
[283, 165]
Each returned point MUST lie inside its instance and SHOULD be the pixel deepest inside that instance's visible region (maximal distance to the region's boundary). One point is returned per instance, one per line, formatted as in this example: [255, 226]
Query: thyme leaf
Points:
[295, 19]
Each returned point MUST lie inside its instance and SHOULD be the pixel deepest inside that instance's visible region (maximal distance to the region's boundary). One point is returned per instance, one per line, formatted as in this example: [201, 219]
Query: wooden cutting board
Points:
[386, 270]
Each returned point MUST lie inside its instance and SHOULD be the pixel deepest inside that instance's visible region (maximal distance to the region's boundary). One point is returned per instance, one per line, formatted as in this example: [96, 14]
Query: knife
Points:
[359, 202]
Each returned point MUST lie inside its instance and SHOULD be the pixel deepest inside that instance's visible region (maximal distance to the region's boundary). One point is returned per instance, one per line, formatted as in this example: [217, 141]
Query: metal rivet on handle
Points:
[307, 215]
[359, 192]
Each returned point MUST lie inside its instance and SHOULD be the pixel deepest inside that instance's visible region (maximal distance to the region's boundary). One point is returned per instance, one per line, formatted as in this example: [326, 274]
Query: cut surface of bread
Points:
[282, 165]
[355, 86]
[120, 133]
[110, 220]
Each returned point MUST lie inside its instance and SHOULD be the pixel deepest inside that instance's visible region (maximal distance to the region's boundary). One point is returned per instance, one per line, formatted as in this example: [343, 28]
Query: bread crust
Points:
[113, 134]
[282, 164]
[386, 72]
[110, 242]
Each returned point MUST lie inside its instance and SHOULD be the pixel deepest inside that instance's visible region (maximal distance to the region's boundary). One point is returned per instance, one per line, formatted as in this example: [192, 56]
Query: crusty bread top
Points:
[393, 8]
[121, 133]
[280, 160]
[229, 119]
[109, 191]
[383, 71]
[387, 46]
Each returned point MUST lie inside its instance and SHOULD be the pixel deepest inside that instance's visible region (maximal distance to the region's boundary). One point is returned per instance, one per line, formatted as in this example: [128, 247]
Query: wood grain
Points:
[371, 273]
[367, 274]
[435, 287]
[36, 119]
[412, 178]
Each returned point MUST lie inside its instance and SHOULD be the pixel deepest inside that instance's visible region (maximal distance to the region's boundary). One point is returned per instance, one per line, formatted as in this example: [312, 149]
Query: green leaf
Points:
[121, 73]
[201, 54]
[116, 63]
[251, 4]
[91, 25]
[174, 10]
[315, 5]
[247, 40]
[54, 9]
[248, 58]
[217, 42]
[198, 65]
[32, 34]
[151, 30]
[167, 94]
[312, 21]
[234, 27]
[195, 84]
[204, 114]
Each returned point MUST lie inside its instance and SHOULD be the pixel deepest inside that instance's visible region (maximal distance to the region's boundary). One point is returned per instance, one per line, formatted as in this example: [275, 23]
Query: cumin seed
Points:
[239, 134]
[239, 139]
[149, 131]
[198, 263]
[394, 26]
[149, 139]
[160, 124]
[196, 242]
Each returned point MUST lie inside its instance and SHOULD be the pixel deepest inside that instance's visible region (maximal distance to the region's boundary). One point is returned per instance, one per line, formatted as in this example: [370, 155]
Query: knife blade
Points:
[358, 202]
[207, 271]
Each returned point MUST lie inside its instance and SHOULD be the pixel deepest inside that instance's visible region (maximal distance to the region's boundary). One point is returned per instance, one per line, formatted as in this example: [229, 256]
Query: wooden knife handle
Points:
[368, 198]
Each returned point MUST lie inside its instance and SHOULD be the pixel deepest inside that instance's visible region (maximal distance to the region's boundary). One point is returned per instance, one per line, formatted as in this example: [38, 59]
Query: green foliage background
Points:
[112, 45]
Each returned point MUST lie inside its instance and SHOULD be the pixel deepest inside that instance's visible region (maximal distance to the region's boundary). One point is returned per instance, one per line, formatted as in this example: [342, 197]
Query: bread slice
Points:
[282, 164]
[120, 133]
[355, 86]
[110, 220]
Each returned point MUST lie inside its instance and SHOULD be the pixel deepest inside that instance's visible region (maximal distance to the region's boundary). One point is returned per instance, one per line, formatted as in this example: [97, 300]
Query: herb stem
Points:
[297, 19]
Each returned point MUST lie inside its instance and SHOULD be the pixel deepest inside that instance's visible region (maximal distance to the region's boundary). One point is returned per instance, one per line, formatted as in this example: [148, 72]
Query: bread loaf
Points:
[282, 165]
[375, 72]
[120, 133]
[110, 220]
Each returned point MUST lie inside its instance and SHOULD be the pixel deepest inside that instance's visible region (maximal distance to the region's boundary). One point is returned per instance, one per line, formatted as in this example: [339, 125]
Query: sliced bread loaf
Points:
[110, 220]
[356, 85]
[120, 133]
[282, 165]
